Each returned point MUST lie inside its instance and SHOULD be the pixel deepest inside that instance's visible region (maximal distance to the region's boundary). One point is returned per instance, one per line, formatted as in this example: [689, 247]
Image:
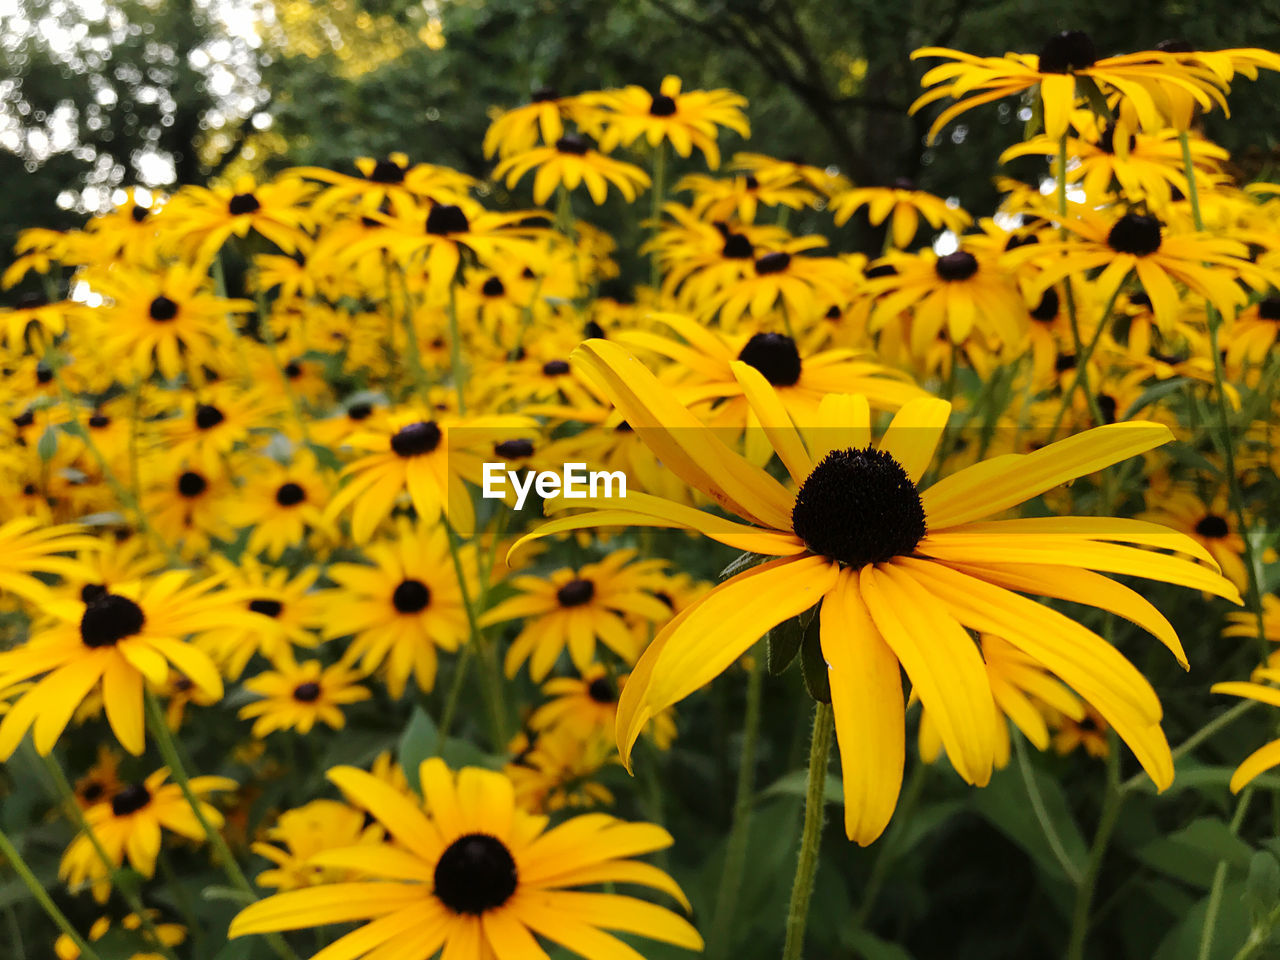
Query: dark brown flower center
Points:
[266, 606]
[411, 596]
[387, 171]
[1135, 234]
[555, 368]
[493, 287]
[130, 800]
[476, 873]
[416, 438]
[773, 263]
[208, 416]
[774, 355]
[192, 484]
[110, 618]
[162, 309]
[1212, 526]
[1067, 51]
[601, 690]
[576, 592]
[573, 144]
[447, 218]
[243, 203]
[1047, 308]
[858, 506]
[308, 692]
[514, 449]
[290, 494]
[956, 266]
[662, 106]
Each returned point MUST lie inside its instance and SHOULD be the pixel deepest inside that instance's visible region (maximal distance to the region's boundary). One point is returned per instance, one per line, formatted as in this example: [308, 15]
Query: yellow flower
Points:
[301, 833]
[471, 873]
[905, 204]
[296, 696]
[893, 567]
[685, 120]
[571, 162]
[204, 217]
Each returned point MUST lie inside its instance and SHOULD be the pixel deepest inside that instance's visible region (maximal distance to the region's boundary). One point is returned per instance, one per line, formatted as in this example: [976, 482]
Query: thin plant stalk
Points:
[492, 685]
[1112, 801]
[33, 884]
[659, 195]
[1219, 880]
[735, 857]
[811, 833]
[169, 752]
[455, 351]
[1041, 812]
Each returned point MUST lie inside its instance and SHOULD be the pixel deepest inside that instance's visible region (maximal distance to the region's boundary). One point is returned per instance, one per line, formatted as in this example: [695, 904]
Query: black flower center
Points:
[1014, 242]
[359, 411]
[411, 596]
[601, 690]
[93, 791]
[290, 494]
[1136, 234]
[576, 592]
[774, 355]
[92, 592]
[593, 331]
[387, 171]
[130, 800]
[243, 203]
[1212, 526]
[773, 263]
[555, 368]
[24, 419]
[493, 288]
[308, 692]
[738, 247]
[416, 438]
[293, 370]
[447, 218]
[572, 143]
[1269, 309]
[662, 106]
[208, 416]
[1067, 51]
[543, 94]
[99, 420]
[956, 266]
[1140, 299]
[475, 873]
[1047, 308]
[162, 309]
[139, 213]
[514, 449]
[191, 484]
[751, 182]
[1064, 362]
[266, 606]
[109, 619]
[859, 507]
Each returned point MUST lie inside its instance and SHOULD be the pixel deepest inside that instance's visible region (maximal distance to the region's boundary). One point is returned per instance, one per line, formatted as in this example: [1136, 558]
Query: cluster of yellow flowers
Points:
[245, 425]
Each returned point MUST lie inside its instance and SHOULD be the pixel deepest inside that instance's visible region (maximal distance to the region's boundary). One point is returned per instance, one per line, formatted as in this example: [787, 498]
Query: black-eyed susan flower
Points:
[955, 296]
[1151, 83]
[282, 504]
[297, 696]
[130, 825]
[903, 206]
[472, 873]
[412, 451]
[299, 834]
[556, 769]
[587, 706]
[204, 217]
[1209, 521]
[720, 198]
[684, 119]
[576, 609]
[780, 280]
[1251, 336]
[118, 639]
[34, 320]
[519, 129]
[162, 322]
[101, 781]
[902, 565]
[220, 419]
[572, 161]
[1138, 244]
[402, 609]
[1088, 733]
[28, 547]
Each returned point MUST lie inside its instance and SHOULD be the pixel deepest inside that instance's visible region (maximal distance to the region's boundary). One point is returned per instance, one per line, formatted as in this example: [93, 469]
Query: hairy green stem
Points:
[1219, 880]
[1041, 812]
[811, 834]
[492, 686]
[1223, 719]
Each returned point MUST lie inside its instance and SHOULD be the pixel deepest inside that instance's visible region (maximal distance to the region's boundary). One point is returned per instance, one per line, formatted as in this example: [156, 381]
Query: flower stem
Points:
[1223, 719]
[455, 352]
[1219, 879]
[735, 857]
[420, 381]
[1042, 813]
[33, 884]
[169, 752]
[492, 685]
[1112, 801]
[1253, 592]
[811, 834]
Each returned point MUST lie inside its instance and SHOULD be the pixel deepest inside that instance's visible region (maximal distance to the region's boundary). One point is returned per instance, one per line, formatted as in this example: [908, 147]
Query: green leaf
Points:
[419, 741]
[1005, 805]
[1193, 853]
[1262, 886]
[47, 445]
[796, 783]
[1097, 102]
[813, 665]
[783, 641]
[867, 946]
[219, 892]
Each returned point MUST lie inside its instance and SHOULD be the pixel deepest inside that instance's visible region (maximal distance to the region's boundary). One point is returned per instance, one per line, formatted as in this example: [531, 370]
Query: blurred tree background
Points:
[100, 94]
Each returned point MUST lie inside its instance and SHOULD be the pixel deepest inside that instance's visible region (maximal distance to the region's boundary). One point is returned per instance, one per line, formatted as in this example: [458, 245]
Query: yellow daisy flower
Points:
[298, 695]
[572, 161]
